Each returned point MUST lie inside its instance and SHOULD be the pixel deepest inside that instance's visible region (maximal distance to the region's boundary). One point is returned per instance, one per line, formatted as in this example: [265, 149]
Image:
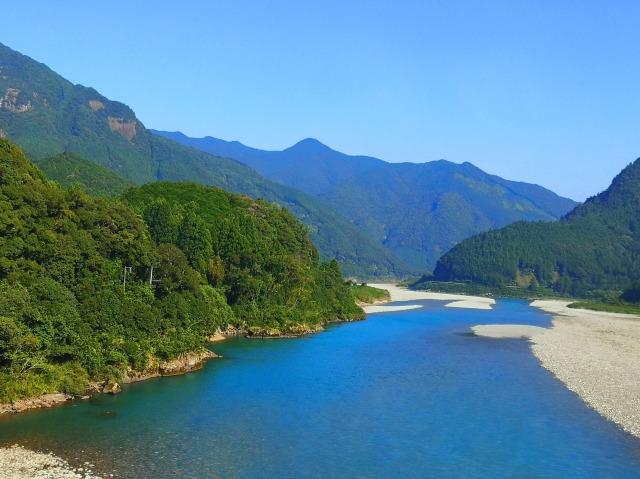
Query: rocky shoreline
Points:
[272, 333]
[184, 364]
[44, 401]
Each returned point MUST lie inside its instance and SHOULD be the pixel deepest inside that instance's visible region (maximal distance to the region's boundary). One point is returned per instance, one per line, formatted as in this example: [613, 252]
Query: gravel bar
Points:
[596, 355]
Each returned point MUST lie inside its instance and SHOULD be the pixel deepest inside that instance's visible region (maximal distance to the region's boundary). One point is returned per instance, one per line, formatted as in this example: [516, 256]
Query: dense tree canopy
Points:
[256, 252]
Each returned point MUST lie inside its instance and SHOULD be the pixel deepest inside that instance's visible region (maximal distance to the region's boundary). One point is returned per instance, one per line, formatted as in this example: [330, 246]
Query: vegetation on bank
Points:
[628, 302]
[625, 308]
[255, 252]
[365, 294]
[76, 302]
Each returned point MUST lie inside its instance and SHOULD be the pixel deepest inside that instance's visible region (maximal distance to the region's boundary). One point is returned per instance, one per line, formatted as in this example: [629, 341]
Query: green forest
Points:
[592, 252]
[78, 300]
[69, 169]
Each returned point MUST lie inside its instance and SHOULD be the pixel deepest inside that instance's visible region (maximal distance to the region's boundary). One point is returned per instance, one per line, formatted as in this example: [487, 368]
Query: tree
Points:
[163, 221]
[632, 294]
[194, 239]
[174, 272]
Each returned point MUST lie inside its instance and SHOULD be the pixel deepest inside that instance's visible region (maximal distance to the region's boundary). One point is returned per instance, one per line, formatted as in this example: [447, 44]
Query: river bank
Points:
[440, 401]
[185, 363]
[595, 354]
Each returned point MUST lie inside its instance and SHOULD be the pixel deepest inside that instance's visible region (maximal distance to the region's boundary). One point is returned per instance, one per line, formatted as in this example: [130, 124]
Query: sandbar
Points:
[381, 308]
[399, 294]
[518, 331]
[470, 304]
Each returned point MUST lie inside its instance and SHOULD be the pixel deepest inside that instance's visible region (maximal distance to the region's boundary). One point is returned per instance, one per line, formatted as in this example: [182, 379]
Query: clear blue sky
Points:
[539, 91]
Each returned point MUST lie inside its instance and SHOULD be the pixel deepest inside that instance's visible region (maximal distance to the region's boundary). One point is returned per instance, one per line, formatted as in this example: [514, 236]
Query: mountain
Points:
[68, 169]
[596, 247]
[46, 115]
[418, 211]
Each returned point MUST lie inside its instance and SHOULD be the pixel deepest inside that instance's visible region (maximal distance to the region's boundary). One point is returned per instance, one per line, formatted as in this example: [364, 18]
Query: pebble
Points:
[17, 462]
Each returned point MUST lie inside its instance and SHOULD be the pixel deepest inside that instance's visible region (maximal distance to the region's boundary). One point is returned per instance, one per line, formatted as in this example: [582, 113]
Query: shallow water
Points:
[405, 394]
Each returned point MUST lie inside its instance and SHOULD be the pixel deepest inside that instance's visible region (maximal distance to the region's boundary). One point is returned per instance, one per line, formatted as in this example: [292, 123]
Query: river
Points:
[402, 394]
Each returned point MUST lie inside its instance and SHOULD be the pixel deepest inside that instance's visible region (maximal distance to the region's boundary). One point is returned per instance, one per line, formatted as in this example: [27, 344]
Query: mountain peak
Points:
[623, 194]
[309, 145]
[624, 185]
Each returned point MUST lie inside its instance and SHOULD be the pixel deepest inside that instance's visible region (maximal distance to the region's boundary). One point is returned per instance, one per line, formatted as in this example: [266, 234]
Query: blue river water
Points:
[406, 394]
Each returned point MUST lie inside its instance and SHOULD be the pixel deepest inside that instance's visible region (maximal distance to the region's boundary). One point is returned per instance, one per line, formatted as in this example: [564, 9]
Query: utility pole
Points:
[151, 280]
[127, 270]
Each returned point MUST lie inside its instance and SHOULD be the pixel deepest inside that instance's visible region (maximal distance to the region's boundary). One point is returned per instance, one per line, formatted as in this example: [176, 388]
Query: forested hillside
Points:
[417, 211]
[254, 251]
[67, 315]
[70, 169]
[46, 115]
[596, 247]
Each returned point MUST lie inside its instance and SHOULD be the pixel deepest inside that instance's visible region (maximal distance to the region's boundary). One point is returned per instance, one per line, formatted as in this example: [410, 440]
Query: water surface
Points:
[405, 394]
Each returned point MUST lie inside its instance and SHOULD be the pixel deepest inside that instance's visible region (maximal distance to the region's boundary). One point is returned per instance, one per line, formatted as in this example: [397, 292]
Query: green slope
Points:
[46, 115]
[69, 169]
[65, 316]
[596, 247]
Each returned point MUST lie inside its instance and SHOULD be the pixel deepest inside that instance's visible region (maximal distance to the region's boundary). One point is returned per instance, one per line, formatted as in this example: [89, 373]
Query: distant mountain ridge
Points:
[595, 248]
[47, 115]
[417, 210]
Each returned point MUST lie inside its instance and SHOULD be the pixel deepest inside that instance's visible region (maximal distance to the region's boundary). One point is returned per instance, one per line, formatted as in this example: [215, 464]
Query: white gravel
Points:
[19, 463]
